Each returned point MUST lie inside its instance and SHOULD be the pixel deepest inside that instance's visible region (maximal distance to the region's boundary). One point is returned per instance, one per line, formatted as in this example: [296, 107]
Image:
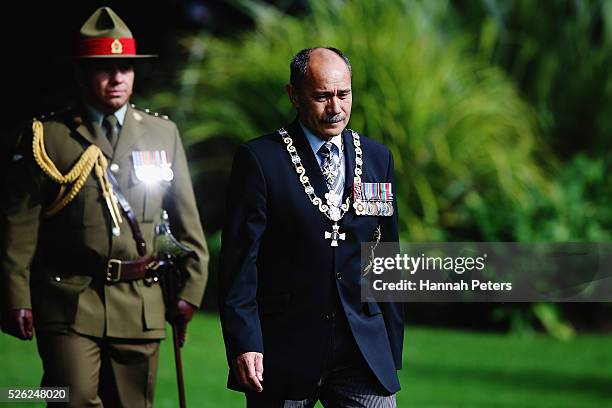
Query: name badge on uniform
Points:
[374, 199]
[152, 166]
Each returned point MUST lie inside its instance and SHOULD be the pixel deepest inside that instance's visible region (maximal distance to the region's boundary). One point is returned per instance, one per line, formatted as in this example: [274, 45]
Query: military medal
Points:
[335, 235]
[331, 208]
[373, 199]
[152, 166]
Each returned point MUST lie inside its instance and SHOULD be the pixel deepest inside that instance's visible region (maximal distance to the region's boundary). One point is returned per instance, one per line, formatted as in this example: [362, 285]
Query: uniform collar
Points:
[316, 142]
[97, 116]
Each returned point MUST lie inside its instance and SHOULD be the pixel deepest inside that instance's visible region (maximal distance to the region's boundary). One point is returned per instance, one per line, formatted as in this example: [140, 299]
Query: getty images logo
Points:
[414, 264]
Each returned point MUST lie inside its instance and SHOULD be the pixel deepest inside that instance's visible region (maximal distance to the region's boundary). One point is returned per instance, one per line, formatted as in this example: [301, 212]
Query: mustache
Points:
[333, 119]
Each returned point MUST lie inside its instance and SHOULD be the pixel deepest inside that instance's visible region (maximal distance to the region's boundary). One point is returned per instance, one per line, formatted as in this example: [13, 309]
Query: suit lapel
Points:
[349, 162]
[92, 133]
[309, 161]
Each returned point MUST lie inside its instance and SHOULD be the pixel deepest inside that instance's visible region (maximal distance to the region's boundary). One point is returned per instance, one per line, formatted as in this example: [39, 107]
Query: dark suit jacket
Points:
[280, 279]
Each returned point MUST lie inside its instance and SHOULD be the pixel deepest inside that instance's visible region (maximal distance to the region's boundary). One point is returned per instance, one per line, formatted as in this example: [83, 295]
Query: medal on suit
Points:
[331, 208]
[373, 199]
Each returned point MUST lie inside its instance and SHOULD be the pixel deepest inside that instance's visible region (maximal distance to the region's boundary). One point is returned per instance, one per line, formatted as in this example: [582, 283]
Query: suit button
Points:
[58, 279]
[339, 275]
[114, 168]
[328, 316]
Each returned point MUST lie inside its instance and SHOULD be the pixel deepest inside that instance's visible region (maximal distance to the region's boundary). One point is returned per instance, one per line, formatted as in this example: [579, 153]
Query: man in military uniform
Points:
[75, 262]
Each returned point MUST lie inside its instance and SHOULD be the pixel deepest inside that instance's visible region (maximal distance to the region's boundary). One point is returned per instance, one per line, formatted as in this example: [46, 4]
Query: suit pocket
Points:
[371, 309]
[270, 305]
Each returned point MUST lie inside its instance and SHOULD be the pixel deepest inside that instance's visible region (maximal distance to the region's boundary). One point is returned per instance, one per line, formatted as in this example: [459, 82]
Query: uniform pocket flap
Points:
[154, 309]
[79, 281]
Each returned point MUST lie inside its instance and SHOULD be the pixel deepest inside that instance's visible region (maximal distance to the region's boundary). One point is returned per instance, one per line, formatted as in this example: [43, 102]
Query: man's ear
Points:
[293, 95]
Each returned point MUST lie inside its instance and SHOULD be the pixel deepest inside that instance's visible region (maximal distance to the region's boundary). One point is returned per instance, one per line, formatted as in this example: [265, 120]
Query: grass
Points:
[442, 368]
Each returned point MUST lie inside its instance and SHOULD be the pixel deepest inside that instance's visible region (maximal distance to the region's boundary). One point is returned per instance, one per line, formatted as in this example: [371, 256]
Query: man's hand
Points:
[248, 369]
[19, 323]
[180, 314]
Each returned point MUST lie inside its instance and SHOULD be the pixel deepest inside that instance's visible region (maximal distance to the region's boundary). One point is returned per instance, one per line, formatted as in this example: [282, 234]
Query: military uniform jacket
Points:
[56, 264]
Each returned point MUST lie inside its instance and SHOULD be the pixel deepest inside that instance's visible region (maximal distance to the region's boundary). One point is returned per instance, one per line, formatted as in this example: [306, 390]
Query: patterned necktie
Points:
[112, 130]
[331, 169]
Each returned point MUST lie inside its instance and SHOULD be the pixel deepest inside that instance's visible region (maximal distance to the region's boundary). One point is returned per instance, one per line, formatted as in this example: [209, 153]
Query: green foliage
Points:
[549, 316]
[462, 139]
[559, 53]
[522, 320]
[560, 63]
[579, 209]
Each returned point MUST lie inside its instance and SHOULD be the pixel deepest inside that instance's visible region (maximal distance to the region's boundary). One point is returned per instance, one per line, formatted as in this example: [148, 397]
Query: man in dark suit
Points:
[295, 327]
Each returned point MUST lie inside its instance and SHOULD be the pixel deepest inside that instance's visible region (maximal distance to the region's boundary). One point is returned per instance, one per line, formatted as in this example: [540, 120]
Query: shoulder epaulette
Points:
[150, 112]
[44, 117]
[50, 115]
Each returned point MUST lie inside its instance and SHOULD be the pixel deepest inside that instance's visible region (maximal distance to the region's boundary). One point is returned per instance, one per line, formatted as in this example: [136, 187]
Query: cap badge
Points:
[116, 47]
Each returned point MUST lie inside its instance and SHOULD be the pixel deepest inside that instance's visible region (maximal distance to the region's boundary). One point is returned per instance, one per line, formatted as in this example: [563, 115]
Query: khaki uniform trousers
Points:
[99, 371]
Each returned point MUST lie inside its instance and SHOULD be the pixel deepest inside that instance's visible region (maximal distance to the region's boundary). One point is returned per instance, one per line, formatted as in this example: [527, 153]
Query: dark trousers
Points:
[346, 381]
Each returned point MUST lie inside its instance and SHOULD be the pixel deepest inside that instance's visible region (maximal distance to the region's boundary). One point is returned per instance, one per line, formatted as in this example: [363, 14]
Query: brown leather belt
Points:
[125, 271]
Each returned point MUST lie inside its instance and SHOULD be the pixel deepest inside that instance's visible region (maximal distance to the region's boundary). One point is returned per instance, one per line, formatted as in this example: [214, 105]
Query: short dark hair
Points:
[299, 64]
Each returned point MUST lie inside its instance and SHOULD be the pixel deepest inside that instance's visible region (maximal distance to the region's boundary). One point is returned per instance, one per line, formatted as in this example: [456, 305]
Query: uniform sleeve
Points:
[393, 312]
[186, 226]
[20, 212]
[240, 242]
